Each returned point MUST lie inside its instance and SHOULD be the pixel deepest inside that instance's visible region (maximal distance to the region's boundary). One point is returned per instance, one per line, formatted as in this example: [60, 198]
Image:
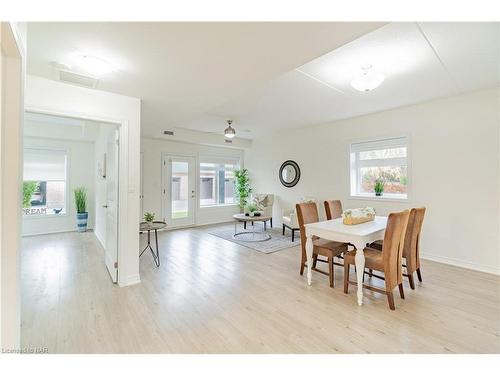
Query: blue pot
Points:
[81, 221]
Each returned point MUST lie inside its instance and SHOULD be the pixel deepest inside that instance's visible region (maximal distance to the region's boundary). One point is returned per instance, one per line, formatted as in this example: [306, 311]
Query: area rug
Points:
[277, 241]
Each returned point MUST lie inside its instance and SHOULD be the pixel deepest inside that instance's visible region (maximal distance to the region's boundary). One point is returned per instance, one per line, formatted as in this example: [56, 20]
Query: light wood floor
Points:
[214, 296]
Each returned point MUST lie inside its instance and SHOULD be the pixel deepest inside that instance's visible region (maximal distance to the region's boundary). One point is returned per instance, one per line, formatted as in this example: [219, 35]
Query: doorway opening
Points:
[64, 155]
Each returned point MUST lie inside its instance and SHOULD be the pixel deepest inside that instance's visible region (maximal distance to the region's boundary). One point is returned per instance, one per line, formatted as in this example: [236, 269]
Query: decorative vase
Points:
[378, 194]
[252, 214]
[81, 221]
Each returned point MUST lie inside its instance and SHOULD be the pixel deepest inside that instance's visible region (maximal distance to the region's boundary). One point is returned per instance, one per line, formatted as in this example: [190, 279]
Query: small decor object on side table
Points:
[81, 208]
[358, 215]
[252, 210]
[149, 217]
[379, 187]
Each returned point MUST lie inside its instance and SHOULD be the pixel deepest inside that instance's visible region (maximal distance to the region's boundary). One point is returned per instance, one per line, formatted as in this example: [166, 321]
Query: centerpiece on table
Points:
[358, 215]
[252, 210]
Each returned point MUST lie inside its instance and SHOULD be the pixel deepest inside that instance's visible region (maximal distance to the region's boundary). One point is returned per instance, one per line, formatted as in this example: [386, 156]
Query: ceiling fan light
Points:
[229, 132]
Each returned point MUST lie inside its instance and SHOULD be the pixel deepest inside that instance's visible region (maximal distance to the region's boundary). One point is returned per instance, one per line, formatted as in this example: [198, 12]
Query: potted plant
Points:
[81, 208]
[149, 217]
[242, 187]
[252, 210]
[29, 187]
[379, 187]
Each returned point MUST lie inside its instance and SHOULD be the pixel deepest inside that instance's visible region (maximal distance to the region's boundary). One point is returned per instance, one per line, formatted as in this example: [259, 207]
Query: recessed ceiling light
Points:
[367, 80]
[93, 65]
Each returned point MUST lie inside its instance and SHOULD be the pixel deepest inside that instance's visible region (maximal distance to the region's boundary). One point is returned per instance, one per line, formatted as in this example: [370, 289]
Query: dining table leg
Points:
[309, 254]
[359, 260]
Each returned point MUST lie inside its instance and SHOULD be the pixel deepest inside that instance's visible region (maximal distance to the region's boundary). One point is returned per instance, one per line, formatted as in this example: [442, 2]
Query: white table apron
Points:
[358, 235]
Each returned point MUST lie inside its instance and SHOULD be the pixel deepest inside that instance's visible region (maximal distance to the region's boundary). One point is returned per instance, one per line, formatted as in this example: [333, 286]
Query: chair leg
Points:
[330, 271]
[315, 260]
[346, 277]
[283, 229]
[271, 222]
[419, 275]
[245, 225]
[390, 299]
[401, 292]
[370, 272]
[293, 235]
[410, 279]
[302, 265]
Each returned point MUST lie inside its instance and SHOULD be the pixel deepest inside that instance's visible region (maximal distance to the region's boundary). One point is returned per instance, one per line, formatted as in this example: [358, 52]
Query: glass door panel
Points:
[179, 190]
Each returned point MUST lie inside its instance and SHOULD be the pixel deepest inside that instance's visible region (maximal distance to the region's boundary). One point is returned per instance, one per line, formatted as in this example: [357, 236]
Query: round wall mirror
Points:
[289, 173]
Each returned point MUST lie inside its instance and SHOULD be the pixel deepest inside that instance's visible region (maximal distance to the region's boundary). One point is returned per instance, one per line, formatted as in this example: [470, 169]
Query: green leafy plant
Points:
[379, 187]
[80, 199]
[242, 186]
[252, 208]
[149, 217]
[29, 187]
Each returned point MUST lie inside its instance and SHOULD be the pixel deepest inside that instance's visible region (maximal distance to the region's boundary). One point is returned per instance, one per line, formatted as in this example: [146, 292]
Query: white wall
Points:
[454, 146]
[81, 169]
[46, 96]
[12, 70]
[152, 174]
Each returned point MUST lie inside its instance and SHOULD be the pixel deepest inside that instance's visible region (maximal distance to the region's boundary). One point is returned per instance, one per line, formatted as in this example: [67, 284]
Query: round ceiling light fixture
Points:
[229, 132]
[367, 80]
[94, 65]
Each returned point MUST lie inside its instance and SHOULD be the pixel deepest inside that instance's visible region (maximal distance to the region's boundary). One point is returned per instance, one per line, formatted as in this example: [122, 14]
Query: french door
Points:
[179, 190]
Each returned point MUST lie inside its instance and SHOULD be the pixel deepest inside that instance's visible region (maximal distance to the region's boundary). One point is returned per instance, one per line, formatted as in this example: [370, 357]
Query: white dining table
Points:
[358, 235]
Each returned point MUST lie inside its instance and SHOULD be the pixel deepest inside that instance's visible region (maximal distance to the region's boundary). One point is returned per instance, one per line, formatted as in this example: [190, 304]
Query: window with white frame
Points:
[384, 161]
[217, 182]
[44, 182]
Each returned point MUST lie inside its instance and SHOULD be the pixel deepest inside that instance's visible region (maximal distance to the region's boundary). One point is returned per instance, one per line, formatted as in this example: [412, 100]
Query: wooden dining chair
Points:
[411, 246]
[387, 261]
[333, 209]
[308, 213]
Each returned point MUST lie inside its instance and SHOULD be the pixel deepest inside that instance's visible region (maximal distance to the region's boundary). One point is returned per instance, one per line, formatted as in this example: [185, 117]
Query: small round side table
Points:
[148, 227]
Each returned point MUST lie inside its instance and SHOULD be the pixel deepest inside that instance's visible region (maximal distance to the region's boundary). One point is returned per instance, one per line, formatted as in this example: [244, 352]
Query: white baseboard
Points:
[461, 263]
[54, 232]
[130, 280]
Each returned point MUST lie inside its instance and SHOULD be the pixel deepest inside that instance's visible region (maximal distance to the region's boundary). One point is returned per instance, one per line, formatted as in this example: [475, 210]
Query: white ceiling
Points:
[183, 70]
[273, 76]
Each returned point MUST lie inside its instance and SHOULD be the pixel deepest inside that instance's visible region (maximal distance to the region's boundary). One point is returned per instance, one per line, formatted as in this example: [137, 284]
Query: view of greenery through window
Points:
[384, 161]
[395, 179]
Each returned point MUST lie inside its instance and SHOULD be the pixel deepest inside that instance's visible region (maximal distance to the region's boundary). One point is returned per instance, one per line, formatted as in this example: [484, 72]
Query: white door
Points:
[179, 190]
[141, 193]
[112, 205]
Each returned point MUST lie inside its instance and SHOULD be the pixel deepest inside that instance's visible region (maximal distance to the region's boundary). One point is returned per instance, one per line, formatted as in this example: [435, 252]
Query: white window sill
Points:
[43, 216]
[383, 198]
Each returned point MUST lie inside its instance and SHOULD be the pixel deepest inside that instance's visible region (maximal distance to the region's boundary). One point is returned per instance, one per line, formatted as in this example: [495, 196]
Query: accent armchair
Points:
[265, 204]
[289, 218]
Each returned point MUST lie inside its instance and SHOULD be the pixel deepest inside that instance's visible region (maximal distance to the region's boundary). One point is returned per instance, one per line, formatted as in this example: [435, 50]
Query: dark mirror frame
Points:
[297, 173]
